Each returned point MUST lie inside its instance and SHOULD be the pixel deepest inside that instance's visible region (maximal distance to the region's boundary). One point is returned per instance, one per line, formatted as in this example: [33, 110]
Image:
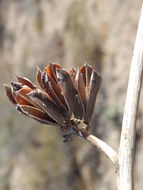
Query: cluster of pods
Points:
[63, 97]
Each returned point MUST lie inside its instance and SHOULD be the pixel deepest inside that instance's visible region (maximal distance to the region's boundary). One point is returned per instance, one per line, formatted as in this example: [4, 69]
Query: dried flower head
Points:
[66, 99]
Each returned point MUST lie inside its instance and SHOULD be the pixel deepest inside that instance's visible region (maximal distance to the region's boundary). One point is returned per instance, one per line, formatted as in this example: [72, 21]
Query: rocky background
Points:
[70, 32]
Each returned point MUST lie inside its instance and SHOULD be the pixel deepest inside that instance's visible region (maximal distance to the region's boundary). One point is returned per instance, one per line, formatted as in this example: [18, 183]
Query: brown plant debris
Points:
[65, 99]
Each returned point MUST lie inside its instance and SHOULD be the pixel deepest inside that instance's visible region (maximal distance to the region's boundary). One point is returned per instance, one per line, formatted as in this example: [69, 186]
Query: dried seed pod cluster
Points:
[65, 99]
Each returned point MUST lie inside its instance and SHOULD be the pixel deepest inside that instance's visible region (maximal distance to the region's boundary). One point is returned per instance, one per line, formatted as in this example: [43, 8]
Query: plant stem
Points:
[110, 152]
[101, 145]
[126, 150]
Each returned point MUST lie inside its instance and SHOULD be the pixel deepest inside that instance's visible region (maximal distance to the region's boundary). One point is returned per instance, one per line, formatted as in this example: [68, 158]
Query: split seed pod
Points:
[64, 96]
[87, 82]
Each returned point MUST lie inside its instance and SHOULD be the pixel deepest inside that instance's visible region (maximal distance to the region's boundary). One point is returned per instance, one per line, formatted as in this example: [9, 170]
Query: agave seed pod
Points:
[52, 104]
[65, 99]
[86, 82]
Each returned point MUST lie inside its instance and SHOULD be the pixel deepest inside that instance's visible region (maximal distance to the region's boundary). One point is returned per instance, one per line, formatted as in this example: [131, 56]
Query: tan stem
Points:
[110, 152]
[126, 149]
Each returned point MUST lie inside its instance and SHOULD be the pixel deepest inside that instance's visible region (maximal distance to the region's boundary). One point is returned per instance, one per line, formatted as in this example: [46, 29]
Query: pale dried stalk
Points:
[126, 149]
[110, 152]
[125, 159]
[101, 145]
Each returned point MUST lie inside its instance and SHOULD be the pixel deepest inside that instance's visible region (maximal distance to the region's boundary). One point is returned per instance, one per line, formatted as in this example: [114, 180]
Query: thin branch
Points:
[126, 149]
[101, 145]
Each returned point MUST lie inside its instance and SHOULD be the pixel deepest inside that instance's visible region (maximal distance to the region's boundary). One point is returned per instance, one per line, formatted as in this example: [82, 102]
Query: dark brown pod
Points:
[55, 92]
[36, 114]
[9, 94]
[27, 82]
[94, 85]
[42, 100]
[39, 78]
[79, 109]
[86, 82]
[66, 86]
[66, 99]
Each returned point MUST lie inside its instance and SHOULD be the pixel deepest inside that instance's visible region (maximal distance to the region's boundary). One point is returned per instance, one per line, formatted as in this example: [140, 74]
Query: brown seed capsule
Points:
[86, 82]
[66, 99]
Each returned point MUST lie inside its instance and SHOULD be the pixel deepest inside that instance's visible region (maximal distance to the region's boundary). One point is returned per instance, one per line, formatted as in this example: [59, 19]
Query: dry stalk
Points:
[127, 142]
[124, 160]
[101, 145]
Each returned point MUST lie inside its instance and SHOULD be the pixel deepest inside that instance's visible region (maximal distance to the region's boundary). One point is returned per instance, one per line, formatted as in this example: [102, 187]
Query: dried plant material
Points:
[87, 83]
[65, 99]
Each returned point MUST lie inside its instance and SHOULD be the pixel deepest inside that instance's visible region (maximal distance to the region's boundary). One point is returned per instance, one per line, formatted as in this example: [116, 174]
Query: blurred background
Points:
[69, 32]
